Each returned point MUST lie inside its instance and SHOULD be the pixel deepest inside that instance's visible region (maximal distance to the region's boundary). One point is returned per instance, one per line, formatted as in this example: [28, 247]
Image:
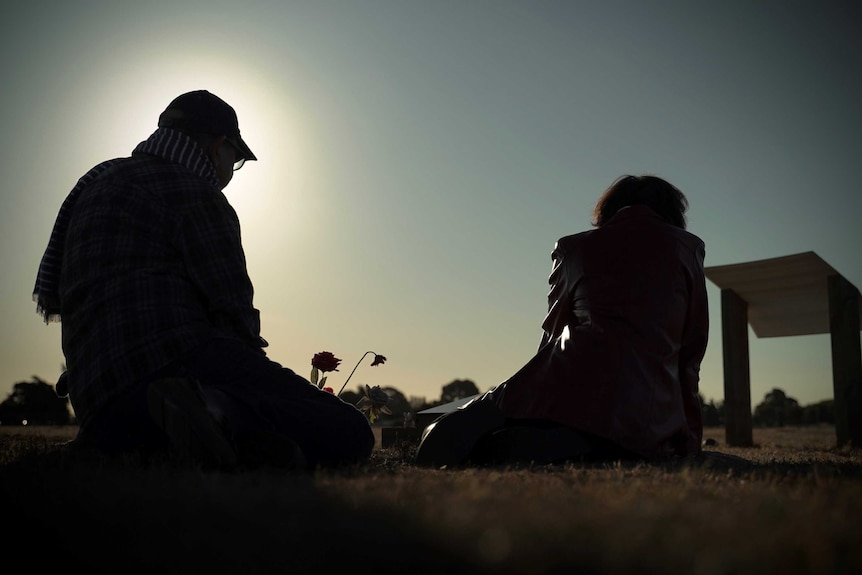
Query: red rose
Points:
[325, 361]
[329, 389]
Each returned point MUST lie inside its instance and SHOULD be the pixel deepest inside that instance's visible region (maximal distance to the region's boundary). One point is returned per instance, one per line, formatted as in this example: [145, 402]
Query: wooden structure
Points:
[798, 294]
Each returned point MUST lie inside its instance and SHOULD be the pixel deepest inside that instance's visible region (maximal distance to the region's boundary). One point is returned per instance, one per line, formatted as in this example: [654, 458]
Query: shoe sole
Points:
[450, 439]
[179, 409]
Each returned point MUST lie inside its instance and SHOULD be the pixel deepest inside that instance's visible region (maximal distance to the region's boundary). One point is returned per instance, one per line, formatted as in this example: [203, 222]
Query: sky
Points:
[418, 160]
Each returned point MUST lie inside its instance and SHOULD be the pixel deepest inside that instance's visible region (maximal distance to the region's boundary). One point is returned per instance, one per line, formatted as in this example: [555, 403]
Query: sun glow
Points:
[267, 194]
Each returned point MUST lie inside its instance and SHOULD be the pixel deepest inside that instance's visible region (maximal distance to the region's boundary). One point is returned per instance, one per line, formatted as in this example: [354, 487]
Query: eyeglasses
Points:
[238, 153]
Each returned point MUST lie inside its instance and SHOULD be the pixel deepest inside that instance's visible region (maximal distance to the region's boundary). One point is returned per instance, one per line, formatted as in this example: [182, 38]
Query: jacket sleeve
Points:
[693, 348]
[559, 298]
[215, 261]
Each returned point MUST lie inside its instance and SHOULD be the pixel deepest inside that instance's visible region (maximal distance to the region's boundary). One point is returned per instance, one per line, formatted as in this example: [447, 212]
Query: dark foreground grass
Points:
[792, 504]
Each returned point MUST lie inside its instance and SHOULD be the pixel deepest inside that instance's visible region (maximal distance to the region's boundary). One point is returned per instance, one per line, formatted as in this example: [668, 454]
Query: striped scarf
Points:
[165, 143]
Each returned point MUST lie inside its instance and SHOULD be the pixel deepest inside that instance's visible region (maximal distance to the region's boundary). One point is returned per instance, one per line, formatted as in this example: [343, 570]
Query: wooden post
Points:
[737, 378]
[846, 360]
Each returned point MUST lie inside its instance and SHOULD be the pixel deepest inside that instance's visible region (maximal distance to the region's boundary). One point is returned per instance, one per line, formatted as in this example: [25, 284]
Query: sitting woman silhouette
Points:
[617, 370]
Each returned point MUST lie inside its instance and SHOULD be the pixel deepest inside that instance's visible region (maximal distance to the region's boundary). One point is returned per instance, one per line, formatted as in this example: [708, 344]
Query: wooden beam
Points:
[737, 378]
[846, 360]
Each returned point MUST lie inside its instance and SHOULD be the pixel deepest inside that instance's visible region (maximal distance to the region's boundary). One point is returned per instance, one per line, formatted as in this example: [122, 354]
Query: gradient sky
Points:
[418, 160]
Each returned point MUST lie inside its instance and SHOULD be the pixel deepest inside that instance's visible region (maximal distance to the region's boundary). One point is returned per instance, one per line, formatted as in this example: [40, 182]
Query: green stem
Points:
[351, 373]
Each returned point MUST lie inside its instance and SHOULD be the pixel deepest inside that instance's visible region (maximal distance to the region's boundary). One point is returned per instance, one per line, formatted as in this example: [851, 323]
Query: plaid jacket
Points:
[152, 266]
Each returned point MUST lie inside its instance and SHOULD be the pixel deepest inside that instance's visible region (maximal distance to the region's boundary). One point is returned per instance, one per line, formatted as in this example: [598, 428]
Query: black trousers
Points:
[252, 393]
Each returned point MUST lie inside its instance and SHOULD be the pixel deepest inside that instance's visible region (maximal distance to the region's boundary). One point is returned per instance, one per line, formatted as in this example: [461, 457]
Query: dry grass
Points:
[792, 504]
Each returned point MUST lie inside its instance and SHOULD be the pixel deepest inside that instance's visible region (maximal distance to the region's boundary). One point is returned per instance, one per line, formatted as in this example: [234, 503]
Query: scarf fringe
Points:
[50, 313]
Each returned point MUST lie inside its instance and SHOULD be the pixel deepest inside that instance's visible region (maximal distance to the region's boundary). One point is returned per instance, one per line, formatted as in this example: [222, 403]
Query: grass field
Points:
[790, 504]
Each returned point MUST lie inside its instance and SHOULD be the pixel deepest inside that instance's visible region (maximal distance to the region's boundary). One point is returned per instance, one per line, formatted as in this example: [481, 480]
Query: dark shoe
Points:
[531, 444]
[451, 437]
[178, 407]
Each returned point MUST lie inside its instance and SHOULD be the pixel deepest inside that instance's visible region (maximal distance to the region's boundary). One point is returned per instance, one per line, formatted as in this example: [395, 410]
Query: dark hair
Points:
[664, 199]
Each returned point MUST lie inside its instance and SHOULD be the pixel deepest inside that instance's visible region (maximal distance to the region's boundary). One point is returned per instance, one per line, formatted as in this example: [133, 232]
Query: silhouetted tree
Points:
[398, 405]
[821, 412]
[352, 396]
[417, 403]
[458, 389]
[34, 403]
[713, 414]
[777, 410]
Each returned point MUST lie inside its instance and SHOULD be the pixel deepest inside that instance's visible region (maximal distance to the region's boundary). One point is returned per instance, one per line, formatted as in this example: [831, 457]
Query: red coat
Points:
[625, 333]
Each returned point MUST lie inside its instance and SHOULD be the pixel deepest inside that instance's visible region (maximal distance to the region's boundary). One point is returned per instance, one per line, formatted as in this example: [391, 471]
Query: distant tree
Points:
[353, 396]
[713, 414]
[458, 389]
[821, 412]
[424, 404]
[398, 405]
[34, 403]
[417, 403]
[777, 410]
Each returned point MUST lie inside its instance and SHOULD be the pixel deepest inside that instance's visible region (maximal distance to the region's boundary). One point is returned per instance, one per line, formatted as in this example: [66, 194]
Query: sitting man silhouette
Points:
[616, 373]
[146, 269]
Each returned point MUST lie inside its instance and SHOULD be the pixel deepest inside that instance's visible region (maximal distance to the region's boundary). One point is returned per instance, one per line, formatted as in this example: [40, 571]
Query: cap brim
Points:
[240, 145]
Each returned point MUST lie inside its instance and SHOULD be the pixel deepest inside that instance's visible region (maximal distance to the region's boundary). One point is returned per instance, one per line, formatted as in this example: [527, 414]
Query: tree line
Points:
[36, 402]
[776, 410]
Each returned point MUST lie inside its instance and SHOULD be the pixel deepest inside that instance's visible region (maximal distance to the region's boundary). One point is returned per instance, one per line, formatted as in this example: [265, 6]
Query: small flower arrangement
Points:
[373, 403]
